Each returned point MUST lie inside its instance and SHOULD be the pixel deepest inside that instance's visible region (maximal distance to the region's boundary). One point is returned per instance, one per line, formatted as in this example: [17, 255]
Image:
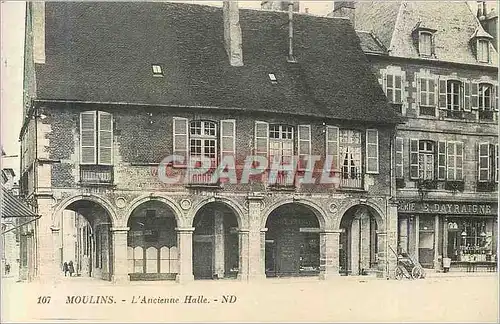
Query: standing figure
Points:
[71, 268]
[65, 268]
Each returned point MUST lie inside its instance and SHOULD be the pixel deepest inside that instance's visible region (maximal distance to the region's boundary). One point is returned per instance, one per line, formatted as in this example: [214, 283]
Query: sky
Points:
[12, 42]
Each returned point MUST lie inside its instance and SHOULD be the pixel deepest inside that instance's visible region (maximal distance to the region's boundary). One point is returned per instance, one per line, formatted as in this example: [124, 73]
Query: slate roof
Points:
[12, 206]
[370, 44]
[103, 51]
[393, 22]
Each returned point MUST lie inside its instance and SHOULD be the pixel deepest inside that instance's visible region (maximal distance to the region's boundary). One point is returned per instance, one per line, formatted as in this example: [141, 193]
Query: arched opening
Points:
[358, 241]
[292, 242]
[152, 251]
[85, 248]
[215, 242]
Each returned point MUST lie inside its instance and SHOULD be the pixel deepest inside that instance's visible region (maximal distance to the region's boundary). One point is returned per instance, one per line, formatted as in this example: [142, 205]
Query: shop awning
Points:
[12, 206]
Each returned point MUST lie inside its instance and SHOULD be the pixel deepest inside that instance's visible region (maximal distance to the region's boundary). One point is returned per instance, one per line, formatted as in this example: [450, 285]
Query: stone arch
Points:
[104, 203]
[320, 213]
[374, 208]
[232, 204]
[143, 199]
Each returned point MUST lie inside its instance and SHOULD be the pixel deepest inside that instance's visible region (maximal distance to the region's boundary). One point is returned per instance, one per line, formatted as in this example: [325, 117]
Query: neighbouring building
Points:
[438, 66]
[114, 96]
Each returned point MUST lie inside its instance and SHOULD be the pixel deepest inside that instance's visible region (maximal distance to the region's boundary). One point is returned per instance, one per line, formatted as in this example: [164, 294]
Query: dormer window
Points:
[425, 44]
[483, 50]
[423, 38]
[157, 70]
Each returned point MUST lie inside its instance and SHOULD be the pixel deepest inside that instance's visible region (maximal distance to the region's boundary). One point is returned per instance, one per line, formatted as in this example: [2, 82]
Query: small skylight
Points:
[272, 77]
[157, 70]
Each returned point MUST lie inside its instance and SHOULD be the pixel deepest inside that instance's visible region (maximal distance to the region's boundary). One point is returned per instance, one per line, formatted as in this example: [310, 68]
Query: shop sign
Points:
[447, 208]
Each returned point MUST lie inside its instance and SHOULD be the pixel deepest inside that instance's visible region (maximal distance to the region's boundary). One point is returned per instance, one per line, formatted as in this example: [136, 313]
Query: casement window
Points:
[425, 154]
[350, 154]
[425, 44]
[483, 52]
[96, 138]
[399, 158]
[394, 87]
[201, 138]
[485, 96]
[427, 95]
[281, 143]
[453, 95]
[488, 162]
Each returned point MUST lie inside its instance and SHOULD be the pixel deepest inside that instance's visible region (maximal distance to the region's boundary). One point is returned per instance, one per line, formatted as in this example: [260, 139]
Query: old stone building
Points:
[109, 97]
[438, 67]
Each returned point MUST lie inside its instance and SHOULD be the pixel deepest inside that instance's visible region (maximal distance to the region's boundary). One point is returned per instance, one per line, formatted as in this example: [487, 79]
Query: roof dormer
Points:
[480, 43]
[423, 38]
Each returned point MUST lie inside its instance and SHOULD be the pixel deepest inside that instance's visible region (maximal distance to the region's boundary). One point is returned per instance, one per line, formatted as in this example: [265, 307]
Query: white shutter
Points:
[261, 138]
[467, 95]
[228, 136]
[450, 165]
[442, 93]
[303, 143]
[433, 86]
[495, 97]
[399, 158]
[372, 151]
[105, 139]
[88, 137]
[441, 165]
[418, 79]
[496, 163]
[332, 145]
[484, 162]
[180, 139]
[459, 161]
[414, 172]
[474, 95]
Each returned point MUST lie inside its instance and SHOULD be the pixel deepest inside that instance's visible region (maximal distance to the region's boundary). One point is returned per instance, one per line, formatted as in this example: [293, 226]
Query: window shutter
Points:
[105, 140]
[88, 137]
[399, 158]
[496, 163]
[413, 159]
[441, 161]
[459, 162]
[450, 165]
[419, 90]
[371, 151]
[332, 145]
[180, 133]
[467, 105]
[495, 102]
[474, 97]
[442, 93]
[303, 143]
[433, 86]
[484, 162]
[261, 138]
[433, 46]
[384, 82]
[228, 136]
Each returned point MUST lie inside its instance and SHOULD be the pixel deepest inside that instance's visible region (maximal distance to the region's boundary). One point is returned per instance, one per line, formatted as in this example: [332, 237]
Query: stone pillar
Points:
[403, 234]
[445, 237]
[383, 266]
[365, 242]
[243, 237]
[185, 245]
[44, 258]
[329, 254]
[256, 240]
[120, 262]
[437, 256]
[218, 251]
[417, 237]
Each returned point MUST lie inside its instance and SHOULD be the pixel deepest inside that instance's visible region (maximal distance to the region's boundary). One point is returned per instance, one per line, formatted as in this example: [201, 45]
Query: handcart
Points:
[407, 267]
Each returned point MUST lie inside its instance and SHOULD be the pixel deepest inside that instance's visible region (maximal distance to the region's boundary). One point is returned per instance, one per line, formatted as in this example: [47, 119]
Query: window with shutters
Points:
[96, 147]
[427, 96]
[485, 101]
[281, 143]
[426, 160]
[203, 137]
[350, 158]
[454, 99]
[483, 52]
[399, 158]
[488, 166]
[455, 160]
[394, 88]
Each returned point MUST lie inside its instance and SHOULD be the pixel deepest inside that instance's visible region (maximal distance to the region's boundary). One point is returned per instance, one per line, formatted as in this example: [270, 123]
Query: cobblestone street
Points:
[352, 299]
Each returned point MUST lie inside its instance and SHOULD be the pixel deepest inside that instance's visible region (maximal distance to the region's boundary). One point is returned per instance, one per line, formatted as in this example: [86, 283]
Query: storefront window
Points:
[470, 240]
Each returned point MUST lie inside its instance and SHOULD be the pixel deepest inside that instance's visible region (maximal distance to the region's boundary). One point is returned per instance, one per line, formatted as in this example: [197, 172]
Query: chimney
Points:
[344, 9]
[38, 29]
[291, 58]
[232, 32]
[481, 10]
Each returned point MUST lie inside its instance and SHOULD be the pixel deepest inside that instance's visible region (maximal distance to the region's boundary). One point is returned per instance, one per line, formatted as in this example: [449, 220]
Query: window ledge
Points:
[96, 184]
[201, 186]
[352, 189]
[282, 188]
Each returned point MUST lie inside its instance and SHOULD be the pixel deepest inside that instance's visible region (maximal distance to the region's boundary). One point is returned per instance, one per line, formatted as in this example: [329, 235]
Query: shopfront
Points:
[463, 233]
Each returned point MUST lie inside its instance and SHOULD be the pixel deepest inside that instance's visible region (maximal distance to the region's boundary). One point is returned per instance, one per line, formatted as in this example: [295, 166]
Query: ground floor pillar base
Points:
[329, 276]
[184, 278]
[120, 278]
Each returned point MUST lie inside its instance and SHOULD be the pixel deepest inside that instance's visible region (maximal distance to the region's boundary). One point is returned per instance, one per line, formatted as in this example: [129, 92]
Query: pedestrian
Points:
[7, 268]
[71, 268]
[65, 268]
